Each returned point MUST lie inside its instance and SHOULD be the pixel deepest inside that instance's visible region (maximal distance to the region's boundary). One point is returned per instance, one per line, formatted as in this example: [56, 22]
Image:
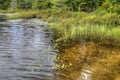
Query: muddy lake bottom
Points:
[89, 61]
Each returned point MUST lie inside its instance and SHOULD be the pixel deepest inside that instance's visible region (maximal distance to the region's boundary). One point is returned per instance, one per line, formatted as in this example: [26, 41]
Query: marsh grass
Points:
[73, 29]
[78, 25]
[5, 11]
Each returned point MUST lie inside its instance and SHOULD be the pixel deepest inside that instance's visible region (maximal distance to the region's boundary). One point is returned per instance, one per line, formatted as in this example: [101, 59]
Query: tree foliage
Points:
[71, 5]
[4, 4]
[24, 4]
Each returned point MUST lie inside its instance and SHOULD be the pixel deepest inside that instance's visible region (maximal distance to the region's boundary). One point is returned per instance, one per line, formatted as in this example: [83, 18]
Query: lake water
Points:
[26, 50]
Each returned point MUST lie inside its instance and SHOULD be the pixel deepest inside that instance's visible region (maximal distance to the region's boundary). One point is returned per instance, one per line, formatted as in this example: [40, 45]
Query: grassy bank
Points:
[77, 25]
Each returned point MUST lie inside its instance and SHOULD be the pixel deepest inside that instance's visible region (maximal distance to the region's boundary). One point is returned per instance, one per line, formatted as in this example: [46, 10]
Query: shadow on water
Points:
[25, 51]
[92, 61]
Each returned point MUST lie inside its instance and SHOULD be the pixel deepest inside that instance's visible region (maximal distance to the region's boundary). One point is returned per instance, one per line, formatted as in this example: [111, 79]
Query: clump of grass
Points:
[28, 14]
[13, 16]
[5, 11]
[24, 14]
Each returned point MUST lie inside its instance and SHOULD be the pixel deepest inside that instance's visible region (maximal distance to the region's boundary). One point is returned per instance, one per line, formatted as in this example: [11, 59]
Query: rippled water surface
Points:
[25, 51]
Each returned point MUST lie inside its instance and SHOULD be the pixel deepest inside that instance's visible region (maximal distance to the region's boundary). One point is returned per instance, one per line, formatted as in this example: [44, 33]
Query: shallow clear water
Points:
[25, 51]
[92, 61]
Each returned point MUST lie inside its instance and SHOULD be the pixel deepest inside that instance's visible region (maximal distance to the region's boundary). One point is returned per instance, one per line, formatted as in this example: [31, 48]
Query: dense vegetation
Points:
[69, 5]
[4, 4]
[73, 19]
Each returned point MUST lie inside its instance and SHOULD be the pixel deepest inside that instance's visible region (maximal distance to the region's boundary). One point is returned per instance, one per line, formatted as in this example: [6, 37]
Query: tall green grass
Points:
[87, 32]
[78, 25]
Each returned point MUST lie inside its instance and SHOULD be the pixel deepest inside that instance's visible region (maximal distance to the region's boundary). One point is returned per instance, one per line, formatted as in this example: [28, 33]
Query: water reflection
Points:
[94, 61]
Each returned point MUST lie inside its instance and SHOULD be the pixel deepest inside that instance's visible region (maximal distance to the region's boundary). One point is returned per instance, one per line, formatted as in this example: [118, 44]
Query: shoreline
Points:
[68, 27]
